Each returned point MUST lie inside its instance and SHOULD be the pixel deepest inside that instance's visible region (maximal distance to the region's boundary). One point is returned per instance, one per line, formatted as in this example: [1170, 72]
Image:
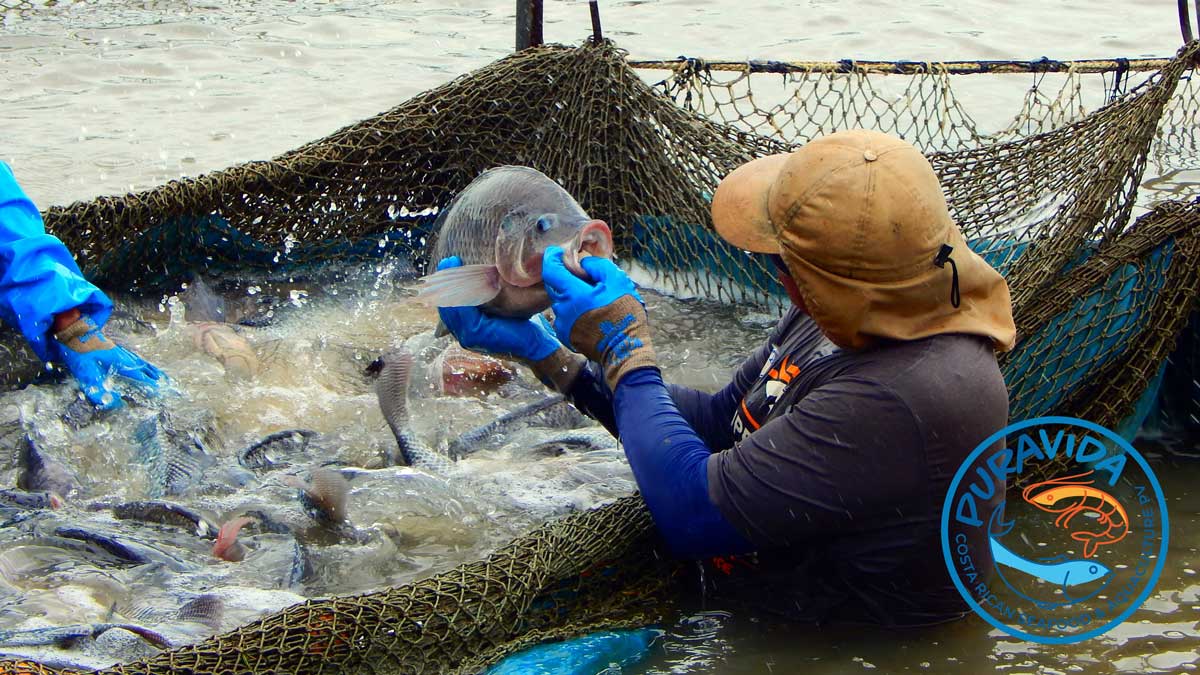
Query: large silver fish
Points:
[499, 226]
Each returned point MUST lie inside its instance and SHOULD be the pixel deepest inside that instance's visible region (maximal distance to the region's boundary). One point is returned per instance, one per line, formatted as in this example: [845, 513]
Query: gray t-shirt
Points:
[840, 463]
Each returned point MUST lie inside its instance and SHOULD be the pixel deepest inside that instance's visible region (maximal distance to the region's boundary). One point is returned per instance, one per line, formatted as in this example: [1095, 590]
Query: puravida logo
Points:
[1073, 553]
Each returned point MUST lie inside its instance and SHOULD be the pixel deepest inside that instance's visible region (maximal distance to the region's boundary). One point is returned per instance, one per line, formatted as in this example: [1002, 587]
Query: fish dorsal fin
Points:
[466, 286]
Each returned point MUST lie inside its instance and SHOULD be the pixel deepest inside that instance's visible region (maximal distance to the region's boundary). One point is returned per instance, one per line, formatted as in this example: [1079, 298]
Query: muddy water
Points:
[108, 96]
[403, 523]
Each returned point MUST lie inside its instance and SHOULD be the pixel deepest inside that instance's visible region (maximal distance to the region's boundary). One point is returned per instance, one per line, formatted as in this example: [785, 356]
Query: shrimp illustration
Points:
[1070, 496]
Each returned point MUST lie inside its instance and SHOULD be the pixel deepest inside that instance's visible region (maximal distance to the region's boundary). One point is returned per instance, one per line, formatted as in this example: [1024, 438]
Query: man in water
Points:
[820, 471]
[44, 295]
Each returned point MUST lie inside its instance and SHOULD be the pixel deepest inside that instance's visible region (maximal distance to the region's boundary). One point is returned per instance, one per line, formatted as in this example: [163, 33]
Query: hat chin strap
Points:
[942, 258]
[789, 285]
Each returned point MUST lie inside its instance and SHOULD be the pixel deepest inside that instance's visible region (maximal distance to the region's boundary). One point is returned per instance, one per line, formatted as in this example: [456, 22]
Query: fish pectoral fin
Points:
[466, 286]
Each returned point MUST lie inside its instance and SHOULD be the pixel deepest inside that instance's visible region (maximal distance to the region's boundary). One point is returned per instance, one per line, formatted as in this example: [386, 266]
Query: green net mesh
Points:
[1048, 199]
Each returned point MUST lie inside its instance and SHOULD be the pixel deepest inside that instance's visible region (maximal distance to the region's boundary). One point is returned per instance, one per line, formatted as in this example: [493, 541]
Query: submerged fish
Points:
[499, 226]
[121, 548]
[174, 457]
[201, 304]
[476, 439]
[266, 453]
[23, 499]
[166, 513]
[395, 370]
[206, 610]
[41, 473]
[580, 440]
[65, 635]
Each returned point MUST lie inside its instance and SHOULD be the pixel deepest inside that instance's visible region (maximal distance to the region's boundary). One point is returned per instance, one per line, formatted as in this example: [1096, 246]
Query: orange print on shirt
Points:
[785, 372]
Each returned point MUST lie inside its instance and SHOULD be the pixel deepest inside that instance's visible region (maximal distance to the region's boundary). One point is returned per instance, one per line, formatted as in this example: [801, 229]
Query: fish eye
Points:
[545, 223]
[1093, 569]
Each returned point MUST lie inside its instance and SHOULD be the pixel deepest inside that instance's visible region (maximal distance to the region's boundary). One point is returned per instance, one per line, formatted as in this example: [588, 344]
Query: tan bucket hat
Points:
[861, 222]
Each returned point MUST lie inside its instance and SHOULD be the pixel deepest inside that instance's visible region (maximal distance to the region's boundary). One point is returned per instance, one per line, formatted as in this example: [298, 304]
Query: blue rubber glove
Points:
[91, 358]
[38, 276]
[529, 339]
[605, 320]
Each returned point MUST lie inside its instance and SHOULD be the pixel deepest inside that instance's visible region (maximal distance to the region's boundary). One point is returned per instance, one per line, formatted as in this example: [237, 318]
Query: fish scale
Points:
[173, 458]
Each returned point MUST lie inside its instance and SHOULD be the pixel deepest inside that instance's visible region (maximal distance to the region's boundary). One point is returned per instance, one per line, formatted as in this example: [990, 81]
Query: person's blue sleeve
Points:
[709, 415]
[590, 396]
[670, 464]
[38, 276]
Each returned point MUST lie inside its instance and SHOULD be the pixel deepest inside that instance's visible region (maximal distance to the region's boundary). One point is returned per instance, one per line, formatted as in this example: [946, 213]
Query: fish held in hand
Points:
[499, 226]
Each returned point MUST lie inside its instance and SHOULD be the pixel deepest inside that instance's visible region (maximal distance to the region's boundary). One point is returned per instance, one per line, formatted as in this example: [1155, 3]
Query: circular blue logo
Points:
[1075, 551]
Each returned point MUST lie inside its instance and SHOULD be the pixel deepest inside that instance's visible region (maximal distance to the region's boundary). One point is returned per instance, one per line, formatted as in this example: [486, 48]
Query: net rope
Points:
[1100, 297]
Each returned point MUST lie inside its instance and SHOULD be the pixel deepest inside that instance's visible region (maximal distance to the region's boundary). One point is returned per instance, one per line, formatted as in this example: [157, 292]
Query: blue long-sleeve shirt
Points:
[670, 433]
[831, 465]
[38, 276]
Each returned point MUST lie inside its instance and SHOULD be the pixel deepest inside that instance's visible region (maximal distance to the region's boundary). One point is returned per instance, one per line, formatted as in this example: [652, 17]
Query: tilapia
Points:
[222, 342]
[41, 473]
[576, 441]
[174, 456]
[476, 439]
[201, 304]
[499, 226]
[22, 499]
[323, 496]
[211, 333]
[166, 513]
[227, 547]
[394, 372]
[121, 548]
[267, 453]
[207, 610]
[65, 635]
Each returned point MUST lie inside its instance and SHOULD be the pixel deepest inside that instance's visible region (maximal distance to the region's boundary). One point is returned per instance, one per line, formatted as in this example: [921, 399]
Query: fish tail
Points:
[329, 491]
[227, 547]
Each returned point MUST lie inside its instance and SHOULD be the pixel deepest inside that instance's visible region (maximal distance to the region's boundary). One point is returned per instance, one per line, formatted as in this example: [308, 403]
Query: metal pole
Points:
[597, 36]
[1185, 24]
[529, 23]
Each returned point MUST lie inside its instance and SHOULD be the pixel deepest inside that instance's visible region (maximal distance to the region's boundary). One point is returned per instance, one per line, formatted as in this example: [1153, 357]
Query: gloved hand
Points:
[91, 357]
[605, 320]
[530, 340]
[525, 339]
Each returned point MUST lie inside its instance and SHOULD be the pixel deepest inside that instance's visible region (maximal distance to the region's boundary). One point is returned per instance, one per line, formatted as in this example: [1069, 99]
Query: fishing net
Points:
[1049, 199]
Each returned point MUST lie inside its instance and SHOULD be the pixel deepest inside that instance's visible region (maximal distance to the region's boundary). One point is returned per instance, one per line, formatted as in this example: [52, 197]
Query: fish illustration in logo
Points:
[1061, 571]
[1069, 496]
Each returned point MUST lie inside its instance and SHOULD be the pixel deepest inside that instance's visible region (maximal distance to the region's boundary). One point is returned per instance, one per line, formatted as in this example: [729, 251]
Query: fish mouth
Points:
[593, 239]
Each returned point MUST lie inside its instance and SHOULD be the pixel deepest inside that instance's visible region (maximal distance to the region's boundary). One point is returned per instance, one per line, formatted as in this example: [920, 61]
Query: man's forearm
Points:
[670, 463]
